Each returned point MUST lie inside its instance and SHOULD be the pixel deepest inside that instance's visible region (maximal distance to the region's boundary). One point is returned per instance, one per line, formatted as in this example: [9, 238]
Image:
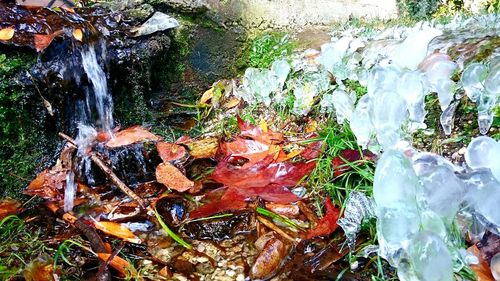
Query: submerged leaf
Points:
[78, 34]
[257, 133]
[131, 135]
[39, 270]
[117, 230]
[328, 224]
[168, 175]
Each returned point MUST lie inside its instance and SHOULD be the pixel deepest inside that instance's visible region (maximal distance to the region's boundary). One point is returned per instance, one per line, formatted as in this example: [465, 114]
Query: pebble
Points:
[462, 151]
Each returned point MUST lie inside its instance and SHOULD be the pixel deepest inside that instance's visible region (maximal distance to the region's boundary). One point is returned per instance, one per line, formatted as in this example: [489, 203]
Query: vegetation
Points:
[20, 124]
[265, 48]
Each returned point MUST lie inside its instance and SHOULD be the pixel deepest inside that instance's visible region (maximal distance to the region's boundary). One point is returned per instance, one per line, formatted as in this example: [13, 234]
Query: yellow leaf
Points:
[117, 230]
[208, 95]
[263, 125]
[78, 34]
[232, 103]
[6, 33]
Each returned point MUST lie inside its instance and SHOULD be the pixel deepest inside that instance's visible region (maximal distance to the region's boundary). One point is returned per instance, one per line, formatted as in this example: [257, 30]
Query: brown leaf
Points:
[121, 265]
[117, 230]
[171, 177]
[204, 148]
[78, 34]
[286, 210]
[234, 102]
[8, 207]
[48, 185]
[170, 151]
[130, 136]
[39, 270]
[7, 33]
[270, 260]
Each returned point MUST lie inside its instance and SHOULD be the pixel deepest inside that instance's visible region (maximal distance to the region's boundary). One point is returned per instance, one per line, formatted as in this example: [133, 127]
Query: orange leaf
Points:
[117, 230]
[171, 177]
[78, 34]
[39, 270]
[232, 103]
[170, 151]
[8, 207]
[482, 269]
[121, 265]
[48, 185]
[6, 33]
[130, 136]
[204, 148]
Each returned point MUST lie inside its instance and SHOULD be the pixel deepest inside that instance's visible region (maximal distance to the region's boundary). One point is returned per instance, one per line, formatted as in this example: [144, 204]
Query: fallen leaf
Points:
[340, 166]
[8, 207]
[48, 185]
[328, 224]
[231, 103]
[78, 34]
[168, 175]
[257, 133]
[117, 230]
[207, 96]
[170, 151]
[131, 135]
[7, 33]
[482, 269]
[121, 265]
[204, 148]
[286, 210]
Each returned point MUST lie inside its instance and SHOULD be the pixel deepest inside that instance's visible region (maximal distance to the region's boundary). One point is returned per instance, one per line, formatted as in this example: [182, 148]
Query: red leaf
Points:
[170, 151]
[327, 224]
[131, 135]
[256, 133]
[340, 166]
[42, 41]
[168, 175]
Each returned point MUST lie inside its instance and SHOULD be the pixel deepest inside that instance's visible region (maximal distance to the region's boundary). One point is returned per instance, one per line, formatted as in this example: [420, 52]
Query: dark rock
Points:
[182, 6]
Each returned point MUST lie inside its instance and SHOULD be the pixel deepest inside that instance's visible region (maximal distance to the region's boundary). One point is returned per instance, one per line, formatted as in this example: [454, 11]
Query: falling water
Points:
[101, 97]
[69, 192]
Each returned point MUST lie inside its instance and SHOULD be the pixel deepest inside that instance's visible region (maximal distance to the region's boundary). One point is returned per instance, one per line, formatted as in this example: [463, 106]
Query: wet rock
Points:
[182, 6]
[173, 210]
[270, 260]
[141, 12]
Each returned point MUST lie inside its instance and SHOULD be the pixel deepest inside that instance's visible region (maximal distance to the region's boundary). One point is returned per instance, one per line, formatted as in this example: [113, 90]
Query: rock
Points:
[158, 22]
[141, 12]
[182, 6]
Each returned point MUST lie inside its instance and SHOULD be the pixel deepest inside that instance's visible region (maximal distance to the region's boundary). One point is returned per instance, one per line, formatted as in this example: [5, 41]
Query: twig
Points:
[278, 230]
[110, 174]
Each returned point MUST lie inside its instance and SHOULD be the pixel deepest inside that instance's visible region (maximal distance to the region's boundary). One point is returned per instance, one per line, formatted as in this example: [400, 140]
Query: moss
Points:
[22, 137]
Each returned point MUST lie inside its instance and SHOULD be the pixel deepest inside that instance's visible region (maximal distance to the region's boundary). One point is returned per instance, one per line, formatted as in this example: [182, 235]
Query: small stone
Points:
[462, 151]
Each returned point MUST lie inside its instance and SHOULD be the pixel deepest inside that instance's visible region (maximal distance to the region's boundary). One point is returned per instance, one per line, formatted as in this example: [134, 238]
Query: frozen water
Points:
[414, 49]
[389, 113]
[495, 266]
[395, 184]
[442, 192]
[432, 222]
[472, 80]
[361, 122]
[158, 22]
[412, 89]
[344, 105]
[446, 90]
[429, 258]
[281, 69]
[479, 152]
[357, 208]
[258, 84]
[383, 78]
[492, 82]
[304, 98]
[447, 117]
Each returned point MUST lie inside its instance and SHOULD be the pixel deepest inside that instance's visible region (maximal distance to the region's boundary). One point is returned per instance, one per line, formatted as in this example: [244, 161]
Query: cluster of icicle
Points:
[418, 196]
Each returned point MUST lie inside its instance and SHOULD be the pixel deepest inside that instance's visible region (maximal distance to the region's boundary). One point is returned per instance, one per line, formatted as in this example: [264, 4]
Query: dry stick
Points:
[111, 175]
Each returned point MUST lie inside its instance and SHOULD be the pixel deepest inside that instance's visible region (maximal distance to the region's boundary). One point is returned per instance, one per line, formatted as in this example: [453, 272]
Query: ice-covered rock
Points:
[158, 22]
[411, 88]
[344, 105]
[281, 69]
[414, 49]
[304, 98]
[361, 122]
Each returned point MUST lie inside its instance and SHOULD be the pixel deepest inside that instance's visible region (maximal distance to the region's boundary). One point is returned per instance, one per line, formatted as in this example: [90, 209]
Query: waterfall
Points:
[100, 96]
